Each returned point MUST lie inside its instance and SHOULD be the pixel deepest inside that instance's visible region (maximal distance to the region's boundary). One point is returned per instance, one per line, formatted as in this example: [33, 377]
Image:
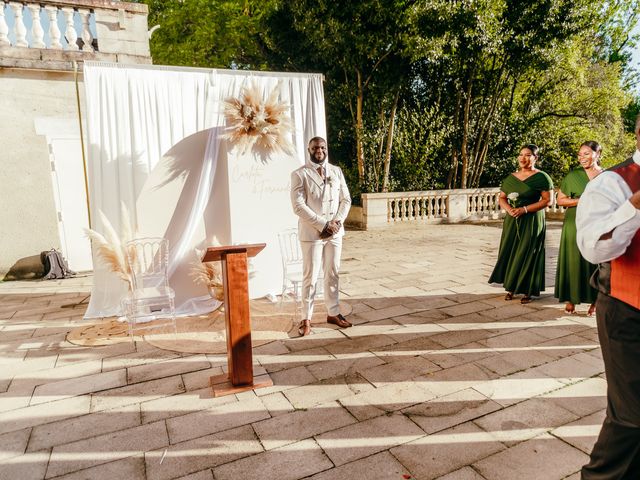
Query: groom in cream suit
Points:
[321, 200]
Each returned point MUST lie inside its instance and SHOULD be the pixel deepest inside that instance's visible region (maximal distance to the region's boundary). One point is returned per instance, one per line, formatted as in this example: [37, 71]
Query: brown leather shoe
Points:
[304, 328]
[338, 320]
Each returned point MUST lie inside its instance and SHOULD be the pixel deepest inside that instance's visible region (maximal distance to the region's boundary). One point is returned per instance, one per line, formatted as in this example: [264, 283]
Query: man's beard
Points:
[315, 160]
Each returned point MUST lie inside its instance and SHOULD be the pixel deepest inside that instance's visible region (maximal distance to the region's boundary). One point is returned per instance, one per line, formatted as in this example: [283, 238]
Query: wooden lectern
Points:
[235, 280]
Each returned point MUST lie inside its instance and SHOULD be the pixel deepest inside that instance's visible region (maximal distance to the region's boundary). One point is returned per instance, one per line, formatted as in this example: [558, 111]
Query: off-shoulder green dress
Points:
[520, 265]
[573, 271]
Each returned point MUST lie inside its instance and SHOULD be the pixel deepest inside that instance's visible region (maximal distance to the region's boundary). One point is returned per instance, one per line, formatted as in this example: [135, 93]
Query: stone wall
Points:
[38, 88]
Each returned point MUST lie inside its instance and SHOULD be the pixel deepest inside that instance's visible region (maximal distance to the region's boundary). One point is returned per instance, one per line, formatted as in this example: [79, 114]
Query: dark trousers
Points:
[616, 454]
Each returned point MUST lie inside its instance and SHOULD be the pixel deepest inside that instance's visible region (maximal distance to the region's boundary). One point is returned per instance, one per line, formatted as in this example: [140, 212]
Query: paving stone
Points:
[131, 468]
[320, 337]
[570, 367]
[181, 404]
[465, 473]
[110, 447]
[86, 426]
[44, 413]
[217, 419]
[506, 363]
[290, 462]
[517, 387]
[131, 359]
[30, 466]
[300, 358]
[78, 386]
[277, 404]
[541, 457]
[450, 380]
[451, 410]
[361, 344]
[151, 390]
[286, 379]
[12, 401]
[200, 379]
[204, 452]
[582, 433]
[363, 439]
[388, 398]
[13, 444]
[202, 475]
[381, 466]
[143, 373]
[343, 365]
[410, 368]
[525, 420]
[292, 427]
[444, 452]
[326, 390]
[456, 338]
[27, 382]
[582, 398]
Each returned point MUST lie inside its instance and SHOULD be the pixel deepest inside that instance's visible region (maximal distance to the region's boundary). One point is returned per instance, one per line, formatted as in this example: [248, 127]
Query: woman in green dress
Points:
[523, 195]
[573, 272]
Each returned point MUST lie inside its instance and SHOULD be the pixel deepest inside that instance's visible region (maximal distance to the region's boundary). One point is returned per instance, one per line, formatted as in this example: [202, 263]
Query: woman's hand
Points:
[518, 212]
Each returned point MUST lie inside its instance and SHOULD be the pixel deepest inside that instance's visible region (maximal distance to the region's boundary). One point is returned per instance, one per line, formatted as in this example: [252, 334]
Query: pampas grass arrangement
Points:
[208, 274]
[253, 122]
[111, 247]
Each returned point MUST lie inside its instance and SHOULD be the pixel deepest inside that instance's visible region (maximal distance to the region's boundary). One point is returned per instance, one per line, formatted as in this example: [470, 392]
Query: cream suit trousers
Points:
[317, 254]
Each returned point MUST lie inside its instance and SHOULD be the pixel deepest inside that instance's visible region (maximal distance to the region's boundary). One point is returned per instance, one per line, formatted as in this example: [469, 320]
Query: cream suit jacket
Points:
[316, 201]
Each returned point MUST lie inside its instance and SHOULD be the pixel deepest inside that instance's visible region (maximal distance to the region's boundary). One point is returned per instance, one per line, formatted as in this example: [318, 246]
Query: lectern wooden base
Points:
[221, 384]
[235, 280]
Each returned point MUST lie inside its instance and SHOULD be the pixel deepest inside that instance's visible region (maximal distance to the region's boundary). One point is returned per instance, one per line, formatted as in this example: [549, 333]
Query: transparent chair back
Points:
[291, 265]
[150, 304]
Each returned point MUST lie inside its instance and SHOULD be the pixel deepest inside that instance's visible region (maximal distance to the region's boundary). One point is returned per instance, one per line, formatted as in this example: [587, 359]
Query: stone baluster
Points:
[4, 28]
[391, 205]
[422, 208]
[70, 31]
[19, 28]
[36, 27]
[54, 31]
[87, 38]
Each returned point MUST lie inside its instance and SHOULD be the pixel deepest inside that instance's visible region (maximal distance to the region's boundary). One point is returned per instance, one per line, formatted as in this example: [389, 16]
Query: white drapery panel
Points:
[155, 145]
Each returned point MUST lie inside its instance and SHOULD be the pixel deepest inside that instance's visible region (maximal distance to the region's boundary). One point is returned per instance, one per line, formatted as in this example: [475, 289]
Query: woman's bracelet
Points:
[525, 209]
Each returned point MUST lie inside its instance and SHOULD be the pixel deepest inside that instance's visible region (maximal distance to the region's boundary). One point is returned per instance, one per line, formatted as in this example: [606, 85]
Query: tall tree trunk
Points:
[453, 170]
[387, 156]
[359, 128]
[464, 145]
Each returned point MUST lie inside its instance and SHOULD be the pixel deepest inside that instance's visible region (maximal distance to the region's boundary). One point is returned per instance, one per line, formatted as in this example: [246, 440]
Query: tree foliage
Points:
[432, 93]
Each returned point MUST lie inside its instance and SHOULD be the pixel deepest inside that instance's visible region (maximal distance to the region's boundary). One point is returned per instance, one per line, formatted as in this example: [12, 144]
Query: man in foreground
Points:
[321, 200]
[608, 223]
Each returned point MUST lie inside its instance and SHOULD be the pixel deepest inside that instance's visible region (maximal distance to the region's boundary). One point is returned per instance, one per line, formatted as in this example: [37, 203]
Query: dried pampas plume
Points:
[208, 274]
[253, 122]
[110, 248]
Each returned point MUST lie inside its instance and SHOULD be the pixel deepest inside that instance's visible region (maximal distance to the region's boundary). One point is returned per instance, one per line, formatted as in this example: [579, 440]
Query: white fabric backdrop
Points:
[154, 144]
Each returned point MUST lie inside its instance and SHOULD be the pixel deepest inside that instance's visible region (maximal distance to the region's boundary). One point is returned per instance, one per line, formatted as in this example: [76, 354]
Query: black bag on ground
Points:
[55, 266]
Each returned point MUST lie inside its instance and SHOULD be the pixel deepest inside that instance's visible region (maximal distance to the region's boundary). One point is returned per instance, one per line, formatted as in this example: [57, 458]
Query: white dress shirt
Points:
[605, 207]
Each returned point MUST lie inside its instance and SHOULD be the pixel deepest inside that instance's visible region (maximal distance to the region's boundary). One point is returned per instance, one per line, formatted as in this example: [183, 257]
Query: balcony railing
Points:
[437, 206]
[34, 33]
[57, 27]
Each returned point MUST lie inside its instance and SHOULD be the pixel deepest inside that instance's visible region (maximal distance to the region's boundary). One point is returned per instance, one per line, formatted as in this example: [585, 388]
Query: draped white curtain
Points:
[155, 145]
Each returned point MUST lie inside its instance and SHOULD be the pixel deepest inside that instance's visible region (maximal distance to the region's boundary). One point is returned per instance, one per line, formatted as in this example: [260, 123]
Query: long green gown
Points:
[573, 272]
[520, 265]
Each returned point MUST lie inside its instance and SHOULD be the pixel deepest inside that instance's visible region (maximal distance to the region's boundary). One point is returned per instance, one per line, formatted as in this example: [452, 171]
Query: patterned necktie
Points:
[321, 173]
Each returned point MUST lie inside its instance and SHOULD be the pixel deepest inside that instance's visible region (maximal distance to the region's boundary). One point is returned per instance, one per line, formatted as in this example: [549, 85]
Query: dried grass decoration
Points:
[258, 124]
[208, 274]
[110, 248]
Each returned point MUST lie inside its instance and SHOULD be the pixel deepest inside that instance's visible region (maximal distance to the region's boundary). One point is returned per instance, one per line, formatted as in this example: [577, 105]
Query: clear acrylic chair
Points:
[291, 266]
[150, 304]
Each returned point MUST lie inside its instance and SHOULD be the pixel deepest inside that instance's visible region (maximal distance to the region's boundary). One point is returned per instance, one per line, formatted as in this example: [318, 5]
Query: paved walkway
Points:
[439, 378]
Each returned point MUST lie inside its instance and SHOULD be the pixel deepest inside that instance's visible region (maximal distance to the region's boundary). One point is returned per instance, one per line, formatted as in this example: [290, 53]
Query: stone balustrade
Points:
[433, 206]
[52, 34]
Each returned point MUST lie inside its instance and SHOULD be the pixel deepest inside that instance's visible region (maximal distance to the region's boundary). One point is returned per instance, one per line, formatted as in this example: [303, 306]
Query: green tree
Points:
[209, 33]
